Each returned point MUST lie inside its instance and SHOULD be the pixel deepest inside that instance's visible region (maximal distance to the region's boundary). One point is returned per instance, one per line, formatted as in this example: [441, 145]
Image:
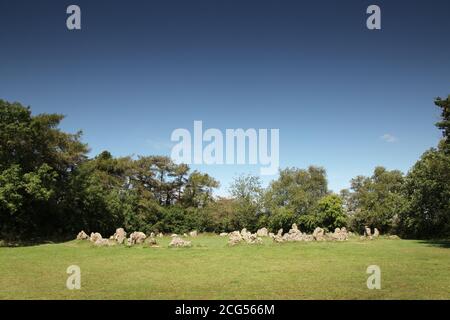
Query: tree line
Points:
[50, 188]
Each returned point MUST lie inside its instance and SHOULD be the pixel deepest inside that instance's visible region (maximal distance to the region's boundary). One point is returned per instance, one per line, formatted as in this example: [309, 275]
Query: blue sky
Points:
[344, 97]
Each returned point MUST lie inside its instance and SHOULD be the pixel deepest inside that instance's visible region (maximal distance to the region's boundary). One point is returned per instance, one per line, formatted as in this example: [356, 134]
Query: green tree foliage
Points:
[36, 162]
[198, 190]
[246, 192]
[50, 188]
[376, 201]
[444, 123]
[427, 189]
[282, 218]
[298, 190]
[330, 213]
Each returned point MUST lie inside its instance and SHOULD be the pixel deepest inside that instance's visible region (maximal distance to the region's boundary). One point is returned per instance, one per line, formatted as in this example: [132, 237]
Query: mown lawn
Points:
[410, 269]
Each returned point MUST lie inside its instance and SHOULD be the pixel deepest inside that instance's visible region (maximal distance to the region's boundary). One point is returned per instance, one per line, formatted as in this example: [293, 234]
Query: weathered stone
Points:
[82, 236]
[280, 232]
[152, 242]
[277, 238]
[120, 235]
[263, 232]
[376, 233]
[95, 236]
[174, 235]
[185, 235]
[339, 234]
[367, 231]
[223, 234]
[295, 234]
[193, 234]
[178, 242]
[319, 234]
[245, 235]
[366, 238]
[253, 239]
[160, 235]
[101, 242]
[234, 238]
[394, 237]
[152, 235]
[294, 229]
[137, 238]
[104, 242]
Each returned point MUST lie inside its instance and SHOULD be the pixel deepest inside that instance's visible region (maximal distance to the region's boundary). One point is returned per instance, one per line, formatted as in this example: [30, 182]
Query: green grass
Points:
[211, 270]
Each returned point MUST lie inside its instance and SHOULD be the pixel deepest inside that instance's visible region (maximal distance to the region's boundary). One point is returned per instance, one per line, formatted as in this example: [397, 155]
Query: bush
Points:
[330, 213]
[282, 218]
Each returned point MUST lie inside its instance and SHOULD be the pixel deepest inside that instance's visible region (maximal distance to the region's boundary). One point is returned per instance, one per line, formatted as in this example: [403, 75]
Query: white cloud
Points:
[389, 138]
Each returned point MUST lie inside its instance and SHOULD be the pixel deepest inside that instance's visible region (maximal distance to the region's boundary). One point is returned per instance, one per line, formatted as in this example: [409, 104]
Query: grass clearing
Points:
[410, 269]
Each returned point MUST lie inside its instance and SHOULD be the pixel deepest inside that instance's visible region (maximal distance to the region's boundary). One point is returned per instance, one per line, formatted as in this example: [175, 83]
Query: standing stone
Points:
[152, 242]
[339, 234]
[120, 235]
[245, 234]
[235, 238]
[367, 232]
[376, 233]
[278, 238]
[318, 234]
[82, 235]
[263, 232]
[253, 239]
[136, 238]
[193, 234]
[95, 236]
[294, 229]
[294, 234]
[178, 242]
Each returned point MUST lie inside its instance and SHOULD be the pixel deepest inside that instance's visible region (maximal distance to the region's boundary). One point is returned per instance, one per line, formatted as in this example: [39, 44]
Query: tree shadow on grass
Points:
[437, 243]
[32, 242]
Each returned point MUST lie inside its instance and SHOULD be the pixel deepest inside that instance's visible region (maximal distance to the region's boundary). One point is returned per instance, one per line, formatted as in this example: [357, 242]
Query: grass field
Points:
[211, 270]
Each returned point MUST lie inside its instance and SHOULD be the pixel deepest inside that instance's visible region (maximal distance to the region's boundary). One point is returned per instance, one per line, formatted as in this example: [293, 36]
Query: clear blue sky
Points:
[140, 69]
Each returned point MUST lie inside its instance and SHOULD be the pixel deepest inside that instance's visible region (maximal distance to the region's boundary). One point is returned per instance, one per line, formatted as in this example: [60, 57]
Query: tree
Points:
[330, 213]
[39, 160]
[179, 174]
[376, 201]
[427, 189]
[297, 189]
[198, 189]
[246, 191]
[282, 218]
[444, 123]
